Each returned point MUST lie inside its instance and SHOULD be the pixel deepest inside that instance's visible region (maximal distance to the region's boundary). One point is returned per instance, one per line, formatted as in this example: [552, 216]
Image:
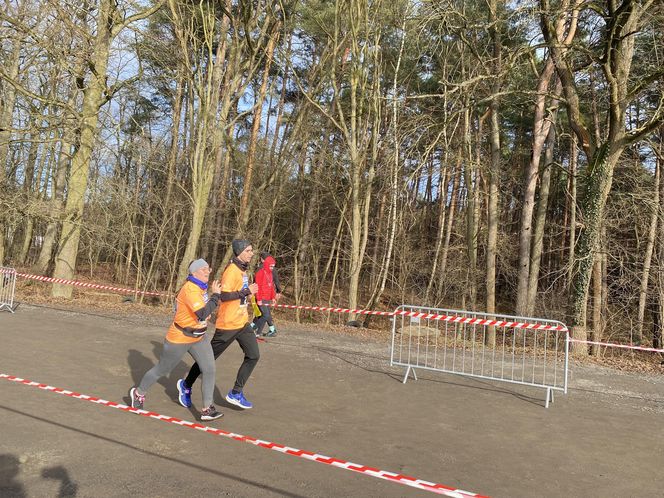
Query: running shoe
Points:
[184, 394]
[238, 399]
[137, 400]
[211, 413]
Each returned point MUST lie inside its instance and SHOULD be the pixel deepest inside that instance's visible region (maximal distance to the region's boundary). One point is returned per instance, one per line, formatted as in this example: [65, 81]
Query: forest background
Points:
[488, 155]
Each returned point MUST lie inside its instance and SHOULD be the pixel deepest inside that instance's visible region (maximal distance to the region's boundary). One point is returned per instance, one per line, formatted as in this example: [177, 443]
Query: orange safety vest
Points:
[186, 327]
[233, 315]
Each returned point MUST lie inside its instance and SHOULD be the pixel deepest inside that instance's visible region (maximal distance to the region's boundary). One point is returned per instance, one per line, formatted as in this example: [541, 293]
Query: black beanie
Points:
[239, 245]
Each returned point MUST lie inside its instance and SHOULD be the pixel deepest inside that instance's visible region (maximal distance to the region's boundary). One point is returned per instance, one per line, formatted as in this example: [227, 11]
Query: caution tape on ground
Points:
[307, 455]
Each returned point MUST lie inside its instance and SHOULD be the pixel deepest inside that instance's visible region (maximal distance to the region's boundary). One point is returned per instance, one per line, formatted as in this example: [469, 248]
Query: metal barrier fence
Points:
[7, 288]
[527, 351]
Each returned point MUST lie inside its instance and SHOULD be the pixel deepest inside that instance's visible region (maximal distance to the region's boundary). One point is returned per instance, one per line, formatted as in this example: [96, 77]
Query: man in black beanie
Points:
[232, 325]
[239, 245]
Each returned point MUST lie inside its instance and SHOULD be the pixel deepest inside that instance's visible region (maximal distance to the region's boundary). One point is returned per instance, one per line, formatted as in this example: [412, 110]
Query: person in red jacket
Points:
[267, 294]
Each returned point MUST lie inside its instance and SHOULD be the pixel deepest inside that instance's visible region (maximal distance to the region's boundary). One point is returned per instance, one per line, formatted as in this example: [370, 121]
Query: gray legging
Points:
[201, 351]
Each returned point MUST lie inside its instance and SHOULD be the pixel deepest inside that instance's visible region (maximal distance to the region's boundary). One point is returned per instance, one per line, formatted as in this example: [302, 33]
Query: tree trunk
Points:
[93, 100]
[299, 261]
[440, 233]
[540, 223]
[494, 174]
[597, 303]
[615, 64]
[378, 238]
[450, 222]
[178, 99]
[541, 127]
[647, 259]
[109, 23]
[208, 127]
[658, 284]
[394, 180]
[657, 314]
[573, 156]
[251, 152]
[335, 241]
[55, 204]
[471, 219]
[6, 114]
[28, 192]
[598, 185]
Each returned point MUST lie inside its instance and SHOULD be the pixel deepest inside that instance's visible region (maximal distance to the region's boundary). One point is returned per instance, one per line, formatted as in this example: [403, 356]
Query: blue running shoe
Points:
[184, 394]
[238, 400]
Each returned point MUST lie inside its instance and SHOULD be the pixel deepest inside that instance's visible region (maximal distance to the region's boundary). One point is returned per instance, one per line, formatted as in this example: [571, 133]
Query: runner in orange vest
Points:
[232, 325]
[187, 335]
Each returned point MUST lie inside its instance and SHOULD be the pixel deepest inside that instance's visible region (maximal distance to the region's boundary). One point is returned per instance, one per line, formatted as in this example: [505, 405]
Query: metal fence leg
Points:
[405, 377]
[549, 397]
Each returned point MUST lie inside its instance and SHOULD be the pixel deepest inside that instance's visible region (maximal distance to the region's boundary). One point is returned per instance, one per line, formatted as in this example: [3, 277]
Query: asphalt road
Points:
[329, 393]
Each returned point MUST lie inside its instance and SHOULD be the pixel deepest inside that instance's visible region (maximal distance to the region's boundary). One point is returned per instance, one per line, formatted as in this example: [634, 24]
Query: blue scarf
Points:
[193, 279]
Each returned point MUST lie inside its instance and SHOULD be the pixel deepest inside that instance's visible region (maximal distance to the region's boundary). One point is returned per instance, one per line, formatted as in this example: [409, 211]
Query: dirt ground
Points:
[330, 393]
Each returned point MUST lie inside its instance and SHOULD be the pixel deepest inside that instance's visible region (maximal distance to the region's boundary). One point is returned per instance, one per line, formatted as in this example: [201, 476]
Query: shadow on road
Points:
[10, 487]
[353, 358]
[9, 464]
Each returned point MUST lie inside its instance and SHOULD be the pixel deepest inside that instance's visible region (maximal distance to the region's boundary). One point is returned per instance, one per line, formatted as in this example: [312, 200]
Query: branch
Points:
[566, 76]
[644, 82]
[137, 17]
[655, 121]
[110, 91]
[27, 93]
[316, 104]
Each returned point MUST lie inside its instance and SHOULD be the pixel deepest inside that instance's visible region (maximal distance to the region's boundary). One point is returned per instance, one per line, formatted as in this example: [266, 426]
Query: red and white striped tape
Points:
[334, 310]
[414, 314]
[76, 283]
[614, 345]
[434, 316]
[307, 455]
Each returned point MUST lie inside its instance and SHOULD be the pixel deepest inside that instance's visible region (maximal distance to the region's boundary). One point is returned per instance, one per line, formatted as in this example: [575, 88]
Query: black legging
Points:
[220, 341]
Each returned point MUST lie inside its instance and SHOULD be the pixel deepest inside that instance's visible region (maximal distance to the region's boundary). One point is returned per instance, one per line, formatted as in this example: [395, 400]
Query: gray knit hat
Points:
[239, 245]
[197, 265]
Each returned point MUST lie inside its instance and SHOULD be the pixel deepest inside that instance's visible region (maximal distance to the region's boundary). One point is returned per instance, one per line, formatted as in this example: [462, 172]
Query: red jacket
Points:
[266, 291]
